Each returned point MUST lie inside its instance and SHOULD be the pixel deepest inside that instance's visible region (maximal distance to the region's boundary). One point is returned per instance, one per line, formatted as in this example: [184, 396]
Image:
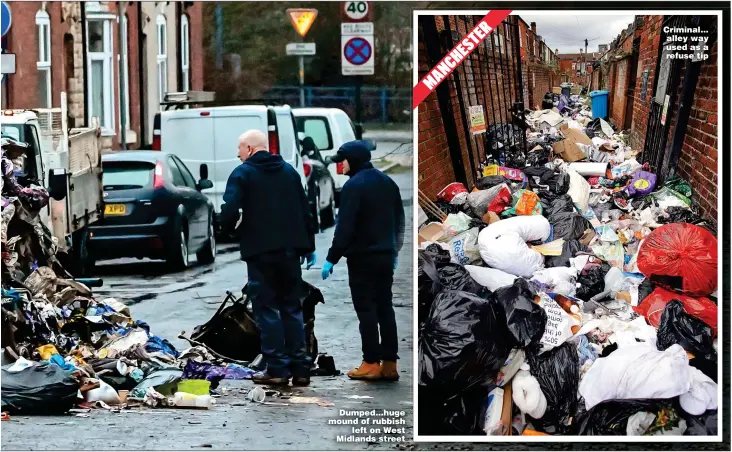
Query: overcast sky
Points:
[568, 32]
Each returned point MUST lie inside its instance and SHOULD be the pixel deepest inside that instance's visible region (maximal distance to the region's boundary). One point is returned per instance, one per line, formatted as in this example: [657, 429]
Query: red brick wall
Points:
[133, 61]
[434, 170]
[22, 40]
[698, 159]
[650, 33]
[523, 28]
[540, 80]
[479, 76]
[195, 21]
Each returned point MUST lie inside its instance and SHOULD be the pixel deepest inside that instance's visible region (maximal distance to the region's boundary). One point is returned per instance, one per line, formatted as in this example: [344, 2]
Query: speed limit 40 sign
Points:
[356, 11]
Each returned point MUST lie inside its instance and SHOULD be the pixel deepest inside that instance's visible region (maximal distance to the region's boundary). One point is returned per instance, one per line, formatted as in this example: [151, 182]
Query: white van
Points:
[330, 128]
[211, 136]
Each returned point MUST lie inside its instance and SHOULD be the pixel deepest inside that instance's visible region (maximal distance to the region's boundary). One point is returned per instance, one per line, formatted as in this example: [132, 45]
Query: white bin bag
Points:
[503, 244]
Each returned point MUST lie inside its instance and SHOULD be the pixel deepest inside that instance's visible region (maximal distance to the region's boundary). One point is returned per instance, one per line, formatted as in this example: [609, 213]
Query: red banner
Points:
[457, 55]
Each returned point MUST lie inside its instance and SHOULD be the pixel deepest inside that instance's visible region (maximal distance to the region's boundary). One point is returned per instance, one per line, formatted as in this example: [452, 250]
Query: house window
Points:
[99, 66]
[43, 24]
[185, 53]
[126, 74]
[162, 57]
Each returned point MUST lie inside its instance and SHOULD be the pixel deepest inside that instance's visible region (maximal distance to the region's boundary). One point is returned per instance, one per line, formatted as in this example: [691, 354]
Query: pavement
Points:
[175, 302]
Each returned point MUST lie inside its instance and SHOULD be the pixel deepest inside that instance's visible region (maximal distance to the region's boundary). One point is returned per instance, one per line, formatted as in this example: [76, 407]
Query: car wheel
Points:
[328, 215]
[207, 254]
[178, 247]
[315, 211]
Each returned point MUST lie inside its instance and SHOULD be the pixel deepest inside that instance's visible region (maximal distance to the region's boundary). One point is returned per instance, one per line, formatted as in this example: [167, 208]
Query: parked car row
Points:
[155, 207]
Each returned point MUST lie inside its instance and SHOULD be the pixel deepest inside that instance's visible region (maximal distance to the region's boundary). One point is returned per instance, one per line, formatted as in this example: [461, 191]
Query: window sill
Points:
[108, 132]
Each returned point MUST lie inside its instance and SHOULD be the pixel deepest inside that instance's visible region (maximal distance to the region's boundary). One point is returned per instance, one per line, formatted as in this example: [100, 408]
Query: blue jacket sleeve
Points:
[346, 225]
[232, 203]
[400, 222]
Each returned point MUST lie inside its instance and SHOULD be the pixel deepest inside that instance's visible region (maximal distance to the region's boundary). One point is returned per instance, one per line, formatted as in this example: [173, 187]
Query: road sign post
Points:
[357, 45]
[302, 19]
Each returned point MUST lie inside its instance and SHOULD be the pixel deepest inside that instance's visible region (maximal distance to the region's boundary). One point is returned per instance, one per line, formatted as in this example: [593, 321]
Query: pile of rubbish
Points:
[65, 351]
[573, 295]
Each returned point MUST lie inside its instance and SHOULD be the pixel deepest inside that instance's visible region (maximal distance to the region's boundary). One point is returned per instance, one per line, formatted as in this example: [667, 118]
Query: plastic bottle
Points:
[571, 308]
[185, 400]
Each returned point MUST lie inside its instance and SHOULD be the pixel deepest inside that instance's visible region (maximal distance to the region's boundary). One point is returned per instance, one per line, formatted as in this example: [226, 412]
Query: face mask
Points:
[339, 168]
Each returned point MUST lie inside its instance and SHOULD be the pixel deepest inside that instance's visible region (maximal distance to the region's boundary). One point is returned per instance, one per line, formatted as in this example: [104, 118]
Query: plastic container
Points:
[185, 400]
[257, 394]
[599, 104]
[195, 387]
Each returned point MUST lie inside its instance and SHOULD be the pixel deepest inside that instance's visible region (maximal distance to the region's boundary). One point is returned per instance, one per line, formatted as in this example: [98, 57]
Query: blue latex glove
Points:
[327, 270]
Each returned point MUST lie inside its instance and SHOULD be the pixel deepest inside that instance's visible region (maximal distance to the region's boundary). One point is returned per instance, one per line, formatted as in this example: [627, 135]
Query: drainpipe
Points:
[84, 69]
[141, 75]
[122, 71]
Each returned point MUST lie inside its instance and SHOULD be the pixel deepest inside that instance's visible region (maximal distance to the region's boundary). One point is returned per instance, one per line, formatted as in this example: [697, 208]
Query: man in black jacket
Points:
[275, 234]
[370, 233]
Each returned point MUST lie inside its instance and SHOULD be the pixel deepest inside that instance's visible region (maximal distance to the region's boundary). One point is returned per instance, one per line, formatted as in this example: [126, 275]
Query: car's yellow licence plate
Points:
[115, 209]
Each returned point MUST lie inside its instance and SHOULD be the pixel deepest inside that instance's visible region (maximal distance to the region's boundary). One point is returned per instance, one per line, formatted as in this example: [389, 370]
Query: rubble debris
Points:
[594, 302]
[68, 350]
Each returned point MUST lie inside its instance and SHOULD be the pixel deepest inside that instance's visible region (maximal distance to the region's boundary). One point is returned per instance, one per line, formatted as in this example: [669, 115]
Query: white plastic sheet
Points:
[490, 278]
[579, 189]
[642, 372]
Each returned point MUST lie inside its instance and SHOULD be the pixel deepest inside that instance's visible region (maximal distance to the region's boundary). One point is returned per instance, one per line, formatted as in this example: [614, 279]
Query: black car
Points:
[153, 207]
[321, 187]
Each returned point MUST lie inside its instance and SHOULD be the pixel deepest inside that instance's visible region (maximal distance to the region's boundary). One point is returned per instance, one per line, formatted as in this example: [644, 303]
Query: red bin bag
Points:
[681, 257]
[653, 305]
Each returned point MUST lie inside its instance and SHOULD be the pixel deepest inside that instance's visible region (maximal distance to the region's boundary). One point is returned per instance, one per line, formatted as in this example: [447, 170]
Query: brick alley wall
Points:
[540, 79]
[434, 170]
[650, 37]
[698, 162]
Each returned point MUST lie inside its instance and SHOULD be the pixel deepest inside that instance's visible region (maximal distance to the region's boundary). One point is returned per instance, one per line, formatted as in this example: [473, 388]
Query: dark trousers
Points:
[275, 282]
[370, 277]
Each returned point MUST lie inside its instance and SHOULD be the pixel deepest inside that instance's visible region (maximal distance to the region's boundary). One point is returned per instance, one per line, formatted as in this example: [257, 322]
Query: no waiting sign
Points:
[356, 11]
[358, 55]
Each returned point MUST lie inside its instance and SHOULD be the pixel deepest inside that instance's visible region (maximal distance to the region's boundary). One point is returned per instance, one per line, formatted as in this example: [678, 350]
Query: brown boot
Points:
[367, 371]
[389, 371]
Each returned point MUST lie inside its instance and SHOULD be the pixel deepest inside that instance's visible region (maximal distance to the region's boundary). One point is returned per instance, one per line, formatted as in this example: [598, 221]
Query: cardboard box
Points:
[507, 413]
[567, 149]
[432, 232]
[556, 90]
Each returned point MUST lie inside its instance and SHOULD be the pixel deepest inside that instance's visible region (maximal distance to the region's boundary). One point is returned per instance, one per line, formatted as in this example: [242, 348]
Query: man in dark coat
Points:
[275, 237]
[370, 233]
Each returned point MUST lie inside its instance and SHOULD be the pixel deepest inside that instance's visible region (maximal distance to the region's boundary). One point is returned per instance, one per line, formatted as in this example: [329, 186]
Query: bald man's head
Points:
[250, 142]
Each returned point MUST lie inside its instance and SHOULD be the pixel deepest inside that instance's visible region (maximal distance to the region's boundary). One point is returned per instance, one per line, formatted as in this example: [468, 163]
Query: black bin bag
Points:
[439, 255]
[464, 342]
[610, 418]
[526, 320]
[41, 389]
[455, 277]
[569, 225]
[428, 284]
[678, 327]
[557, 372]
